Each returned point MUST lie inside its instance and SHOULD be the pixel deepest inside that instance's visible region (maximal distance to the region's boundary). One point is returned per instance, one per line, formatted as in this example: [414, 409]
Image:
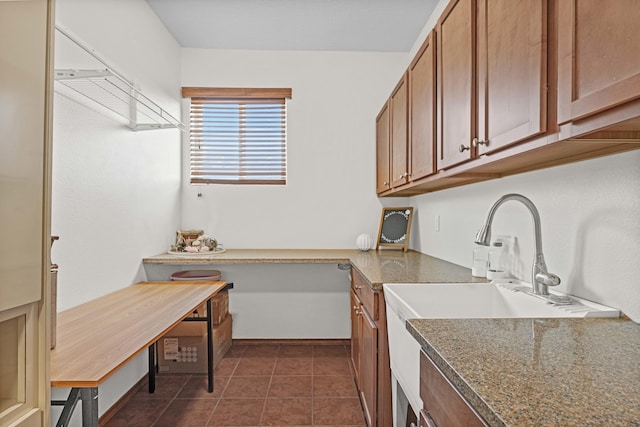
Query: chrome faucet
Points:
[541, 279]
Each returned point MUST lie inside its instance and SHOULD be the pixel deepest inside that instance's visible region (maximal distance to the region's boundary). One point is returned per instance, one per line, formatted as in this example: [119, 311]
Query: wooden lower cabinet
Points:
[370, 352]
[368, 367]
[443, 405]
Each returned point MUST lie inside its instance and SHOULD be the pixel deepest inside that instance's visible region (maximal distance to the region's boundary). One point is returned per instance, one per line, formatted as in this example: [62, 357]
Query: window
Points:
[238, 136]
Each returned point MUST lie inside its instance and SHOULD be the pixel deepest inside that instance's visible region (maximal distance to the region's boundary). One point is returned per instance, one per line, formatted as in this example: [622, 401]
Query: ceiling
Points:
[316, 25]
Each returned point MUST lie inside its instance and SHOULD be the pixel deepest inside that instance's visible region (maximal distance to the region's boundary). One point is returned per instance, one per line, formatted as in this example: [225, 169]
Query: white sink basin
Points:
[498, 299]
[481, 300]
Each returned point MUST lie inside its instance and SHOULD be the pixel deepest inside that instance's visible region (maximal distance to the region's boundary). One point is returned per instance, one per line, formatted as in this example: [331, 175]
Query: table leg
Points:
[89, 397]
[152, 368]
[69, 406]
[209, 347]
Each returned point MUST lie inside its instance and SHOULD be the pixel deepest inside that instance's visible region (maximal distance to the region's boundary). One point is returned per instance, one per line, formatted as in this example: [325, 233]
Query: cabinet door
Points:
[598, 60]
[383, 149]
[399, 126]
[442, 402]
[356, 320]
[456, 36]
[22, 151]
[422, 117]
[369, 368]
[512, 77]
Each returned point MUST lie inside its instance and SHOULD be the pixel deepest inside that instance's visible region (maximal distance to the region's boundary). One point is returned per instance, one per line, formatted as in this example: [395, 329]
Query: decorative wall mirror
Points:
[395, 224]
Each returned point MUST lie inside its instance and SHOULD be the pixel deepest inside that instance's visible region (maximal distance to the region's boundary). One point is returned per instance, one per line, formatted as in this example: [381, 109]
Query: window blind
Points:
[237, 140]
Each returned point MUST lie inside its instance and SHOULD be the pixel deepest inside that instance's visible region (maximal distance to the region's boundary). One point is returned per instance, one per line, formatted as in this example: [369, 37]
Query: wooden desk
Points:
[98, 337]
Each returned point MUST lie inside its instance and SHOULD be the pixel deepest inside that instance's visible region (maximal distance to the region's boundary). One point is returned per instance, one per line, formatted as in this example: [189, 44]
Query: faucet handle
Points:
[547, 279]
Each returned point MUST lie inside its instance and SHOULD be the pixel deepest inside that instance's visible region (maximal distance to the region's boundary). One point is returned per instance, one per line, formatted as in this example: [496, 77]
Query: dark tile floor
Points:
[255, 385]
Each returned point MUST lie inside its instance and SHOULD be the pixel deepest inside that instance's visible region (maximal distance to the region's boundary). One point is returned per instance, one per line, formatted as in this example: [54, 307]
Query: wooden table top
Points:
[98, 337]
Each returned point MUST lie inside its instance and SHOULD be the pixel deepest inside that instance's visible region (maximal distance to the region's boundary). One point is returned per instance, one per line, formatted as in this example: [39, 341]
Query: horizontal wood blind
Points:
[237, 140]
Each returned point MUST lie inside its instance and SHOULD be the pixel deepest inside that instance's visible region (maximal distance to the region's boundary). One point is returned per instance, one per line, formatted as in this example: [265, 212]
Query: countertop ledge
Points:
[534, 372]
[377, 266]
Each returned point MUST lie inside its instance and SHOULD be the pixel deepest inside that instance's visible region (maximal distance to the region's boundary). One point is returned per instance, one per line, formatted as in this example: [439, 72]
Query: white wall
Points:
[281, 301]
[116, 193]
[590, 214]
[330, 195]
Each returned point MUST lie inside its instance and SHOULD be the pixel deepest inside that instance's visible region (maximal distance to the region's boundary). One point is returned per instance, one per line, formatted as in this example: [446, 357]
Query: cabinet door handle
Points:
[386, 183]
[357, 287]
[404, 175]
[477, 142]
[463, 148]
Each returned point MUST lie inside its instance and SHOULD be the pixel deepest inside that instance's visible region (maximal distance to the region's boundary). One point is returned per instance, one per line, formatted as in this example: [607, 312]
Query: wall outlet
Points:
[436, 223]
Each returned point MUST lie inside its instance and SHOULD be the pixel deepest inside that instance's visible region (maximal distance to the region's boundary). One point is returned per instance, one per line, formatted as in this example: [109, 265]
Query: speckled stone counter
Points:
[540, 372]
[378, 267]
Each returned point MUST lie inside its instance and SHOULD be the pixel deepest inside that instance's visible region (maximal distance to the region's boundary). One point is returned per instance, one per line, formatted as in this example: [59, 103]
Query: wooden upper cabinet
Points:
[422, 111]
[512, 72]
[456, 94]
[399, 105]
[598, 56]
[383, 147]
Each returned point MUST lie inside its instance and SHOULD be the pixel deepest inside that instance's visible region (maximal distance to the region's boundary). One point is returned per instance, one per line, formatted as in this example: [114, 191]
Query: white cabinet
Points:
[25, 31]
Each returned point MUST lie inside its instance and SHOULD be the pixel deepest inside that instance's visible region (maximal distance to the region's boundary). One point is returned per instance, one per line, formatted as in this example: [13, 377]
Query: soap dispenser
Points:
[497, 261]
[479, 266]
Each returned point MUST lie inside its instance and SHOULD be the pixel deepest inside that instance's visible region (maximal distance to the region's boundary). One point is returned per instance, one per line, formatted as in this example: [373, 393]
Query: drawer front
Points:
[368, 297]
[441, 400]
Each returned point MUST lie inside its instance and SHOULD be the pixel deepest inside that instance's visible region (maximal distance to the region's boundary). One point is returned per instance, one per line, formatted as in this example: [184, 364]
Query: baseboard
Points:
[109, 413]
[291, 341]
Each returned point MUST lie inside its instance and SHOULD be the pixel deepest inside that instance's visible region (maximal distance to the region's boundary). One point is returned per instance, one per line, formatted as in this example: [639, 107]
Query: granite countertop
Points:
[539, 372]
[378, 267]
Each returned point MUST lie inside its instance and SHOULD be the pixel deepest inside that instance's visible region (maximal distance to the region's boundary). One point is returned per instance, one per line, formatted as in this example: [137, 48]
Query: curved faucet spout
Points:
[541, 278]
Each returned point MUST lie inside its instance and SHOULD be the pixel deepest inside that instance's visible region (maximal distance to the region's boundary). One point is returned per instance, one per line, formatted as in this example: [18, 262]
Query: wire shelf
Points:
[116, 93]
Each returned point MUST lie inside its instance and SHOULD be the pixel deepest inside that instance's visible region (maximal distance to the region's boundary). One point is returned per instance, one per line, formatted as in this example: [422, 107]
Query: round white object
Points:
[364, 242]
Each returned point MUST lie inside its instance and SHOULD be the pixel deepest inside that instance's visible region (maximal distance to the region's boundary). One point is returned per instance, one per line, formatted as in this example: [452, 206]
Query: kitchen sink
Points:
[498, 299]
[481, 300]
